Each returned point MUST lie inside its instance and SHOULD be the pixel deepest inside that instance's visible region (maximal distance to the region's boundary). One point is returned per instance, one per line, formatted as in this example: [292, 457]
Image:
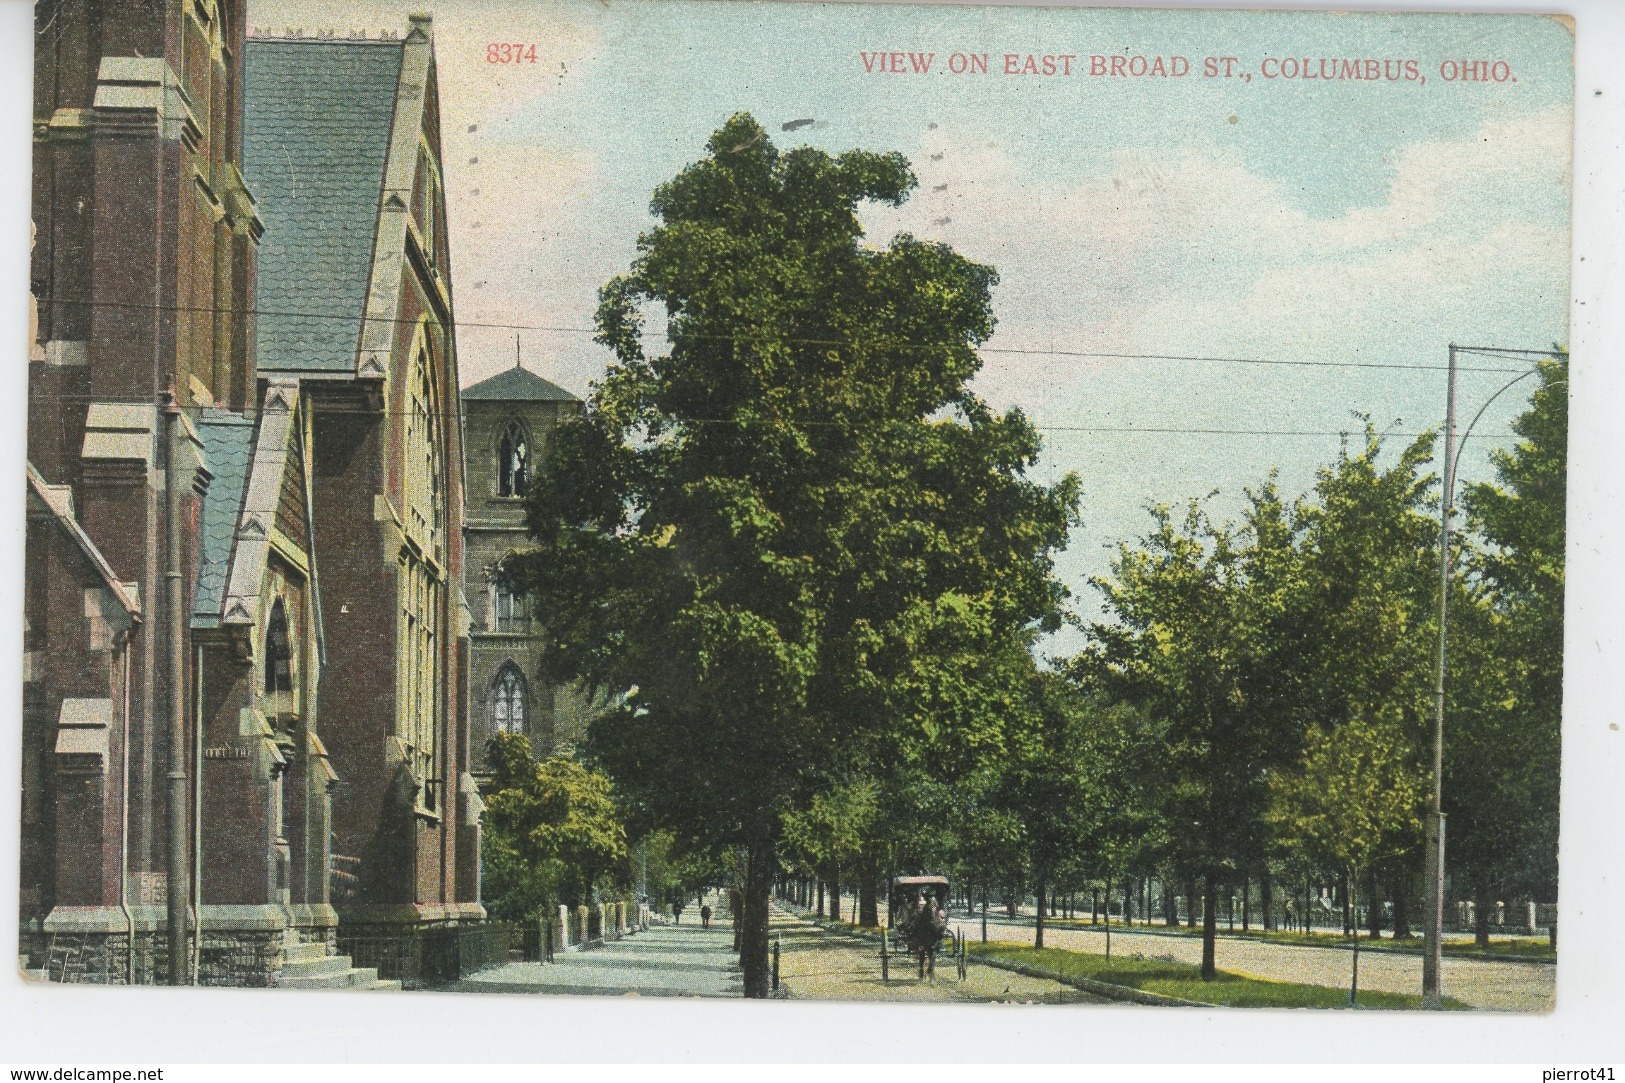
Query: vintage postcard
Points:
[811, 500]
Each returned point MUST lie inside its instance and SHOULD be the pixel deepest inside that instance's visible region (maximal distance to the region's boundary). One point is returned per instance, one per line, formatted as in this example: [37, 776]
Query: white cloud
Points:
[1189, 251]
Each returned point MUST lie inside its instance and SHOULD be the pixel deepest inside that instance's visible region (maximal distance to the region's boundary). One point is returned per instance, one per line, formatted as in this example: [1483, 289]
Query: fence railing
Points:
[421, 958]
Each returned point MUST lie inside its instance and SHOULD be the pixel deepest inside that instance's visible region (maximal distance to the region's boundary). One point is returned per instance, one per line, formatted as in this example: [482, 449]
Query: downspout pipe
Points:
[174, 600]
[197, 818]
[125, 646]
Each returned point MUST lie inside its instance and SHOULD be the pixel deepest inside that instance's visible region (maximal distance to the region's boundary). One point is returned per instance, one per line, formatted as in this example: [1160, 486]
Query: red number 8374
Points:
[510, 52]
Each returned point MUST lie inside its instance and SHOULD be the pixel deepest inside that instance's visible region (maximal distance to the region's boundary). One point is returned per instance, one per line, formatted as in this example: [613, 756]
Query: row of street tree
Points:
[813, 569]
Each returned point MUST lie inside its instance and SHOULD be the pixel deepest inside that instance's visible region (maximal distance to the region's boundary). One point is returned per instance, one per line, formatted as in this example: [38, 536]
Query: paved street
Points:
[1495, 986]
[663, 960]
[1508, 985]
[816, 964]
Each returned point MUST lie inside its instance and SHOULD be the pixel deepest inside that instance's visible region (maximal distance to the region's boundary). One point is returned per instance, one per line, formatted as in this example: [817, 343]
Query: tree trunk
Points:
[753, 944]
[835, 891]
[1354, 927]
[1348, 910]
[1038, 930]
[1210, 925]
[1170, 905]
[1266, 898]
[1402, 915]
[1190, 903]
[868, 906]
[1481, 919]
[1246, 901]
[820, 910]
[1128, 902]
[1094, 906]
[1373, 902]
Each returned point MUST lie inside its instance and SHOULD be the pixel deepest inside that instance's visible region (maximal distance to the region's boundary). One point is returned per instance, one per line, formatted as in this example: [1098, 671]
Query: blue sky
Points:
[1274, 219]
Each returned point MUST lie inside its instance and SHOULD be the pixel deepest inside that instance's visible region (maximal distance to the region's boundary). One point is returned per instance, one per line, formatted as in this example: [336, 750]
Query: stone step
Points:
[304, 953]
[335, 973]
[383, 983]
[315, 968]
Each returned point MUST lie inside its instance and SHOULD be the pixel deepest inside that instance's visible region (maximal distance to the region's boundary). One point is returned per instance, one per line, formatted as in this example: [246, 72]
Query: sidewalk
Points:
[663, 960]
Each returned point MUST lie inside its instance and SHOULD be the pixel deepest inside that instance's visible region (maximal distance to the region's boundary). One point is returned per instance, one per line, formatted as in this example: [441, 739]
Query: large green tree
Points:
[1503, 739]
[788, 533]
[1241, 638]
[552, 830]
[1181, 647]
[1044, 786]
[828, 834]
[1354, 800]
[1363, 615]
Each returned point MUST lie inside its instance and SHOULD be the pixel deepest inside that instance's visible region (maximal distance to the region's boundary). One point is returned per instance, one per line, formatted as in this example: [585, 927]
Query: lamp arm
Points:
[1455, 464]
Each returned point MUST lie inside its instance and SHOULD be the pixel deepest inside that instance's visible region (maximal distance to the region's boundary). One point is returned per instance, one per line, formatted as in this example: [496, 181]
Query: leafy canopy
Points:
[790, 533]
[552, 830]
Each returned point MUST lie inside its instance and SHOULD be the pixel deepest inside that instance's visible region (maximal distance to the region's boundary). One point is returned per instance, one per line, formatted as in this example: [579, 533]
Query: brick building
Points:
[506, 423]
[244, 632]
[343, 147]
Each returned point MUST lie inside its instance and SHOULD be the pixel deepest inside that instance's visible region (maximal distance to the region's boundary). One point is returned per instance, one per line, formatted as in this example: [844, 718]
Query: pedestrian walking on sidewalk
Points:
[677, 912]
[705, 917]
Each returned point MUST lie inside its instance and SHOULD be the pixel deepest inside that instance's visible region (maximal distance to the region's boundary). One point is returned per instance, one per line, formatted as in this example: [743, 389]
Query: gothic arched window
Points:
[513, 461]
[508, 700]
[278, 654]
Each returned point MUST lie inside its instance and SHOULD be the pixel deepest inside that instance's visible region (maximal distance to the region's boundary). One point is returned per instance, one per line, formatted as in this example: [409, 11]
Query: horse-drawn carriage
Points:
[918, 916]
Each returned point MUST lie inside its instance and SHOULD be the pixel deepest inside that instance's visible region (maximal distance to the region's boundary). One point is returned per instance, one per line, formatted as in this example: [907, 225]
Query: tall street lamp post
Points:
[1433, 924]
[1433, 873]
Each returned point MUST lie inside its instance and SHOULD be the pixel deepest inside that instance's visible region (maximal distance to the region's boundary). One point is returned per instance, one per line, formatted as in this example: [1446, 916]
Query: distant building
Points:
[507, 421]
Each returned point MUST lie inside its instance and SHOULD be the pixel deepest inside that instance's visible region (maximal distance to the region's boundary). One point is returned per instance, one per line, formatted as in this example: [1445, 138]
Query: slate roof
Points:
[228, 444]
[518, 385]
[316, 127]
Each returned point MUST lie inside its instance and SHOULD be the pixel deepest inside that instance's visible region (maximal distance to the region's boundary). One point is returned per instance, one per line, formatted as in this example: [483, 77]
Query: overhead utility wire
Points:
[1019, 350]
[332, 411]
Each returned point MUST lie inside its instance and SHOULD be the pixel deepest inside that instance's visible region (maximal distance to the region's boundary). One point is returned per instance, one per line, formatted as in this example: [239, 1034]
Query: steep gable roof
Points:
[518, 385]
[317, 119]
[228, 444]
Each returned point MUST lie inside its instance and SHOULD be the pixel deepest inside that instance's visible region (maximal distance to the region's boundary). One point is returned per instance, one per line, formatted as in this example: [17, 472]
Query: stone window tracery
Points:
[513, 461]
[508, 700]
[420, 585]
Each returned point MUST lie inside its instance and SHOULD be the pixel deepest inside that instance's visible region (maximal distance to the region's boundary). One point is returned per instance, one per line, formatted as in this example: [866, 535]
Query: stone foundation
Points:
[242, 946]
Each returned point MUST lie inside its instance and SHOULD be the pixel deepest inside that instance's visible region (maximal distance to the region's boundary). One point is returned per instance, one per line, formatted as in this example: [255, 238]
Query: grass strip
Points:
[1183, 981]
